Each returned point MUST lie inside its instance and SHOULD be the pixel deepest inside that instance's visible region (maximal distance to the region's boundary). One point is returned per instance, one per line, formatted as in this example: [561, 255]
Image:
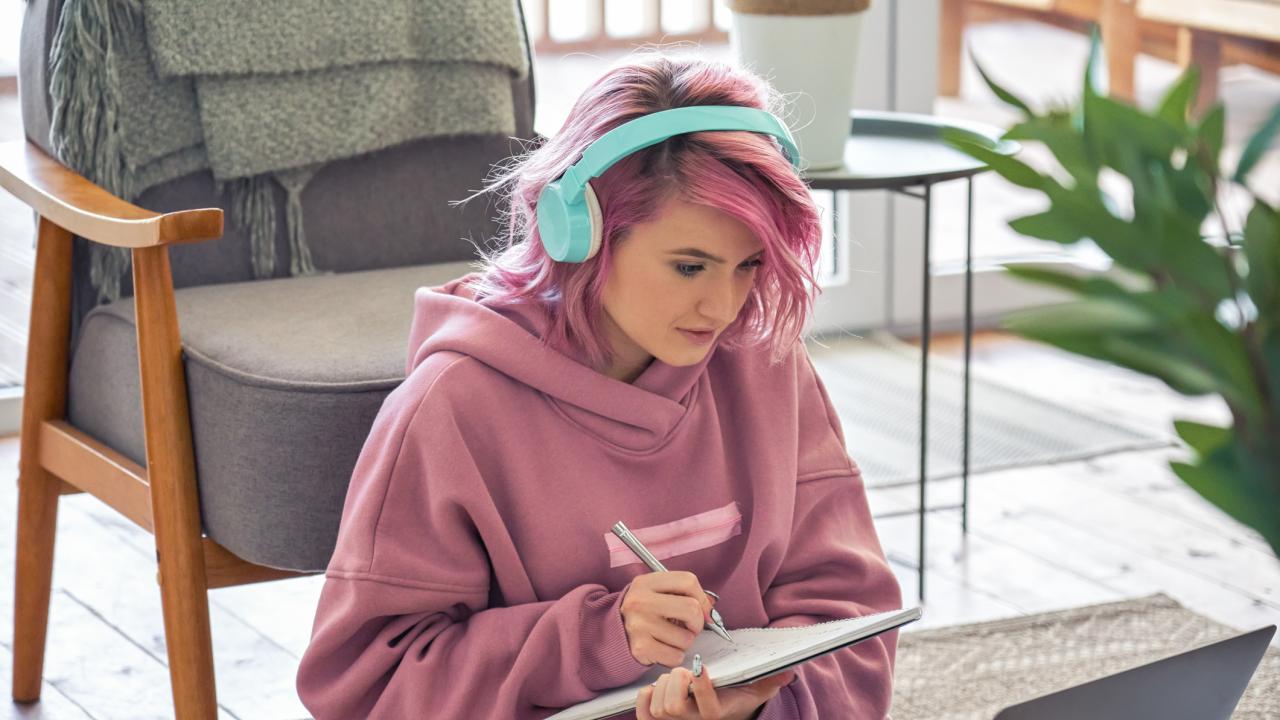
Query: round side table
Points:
[906, 154]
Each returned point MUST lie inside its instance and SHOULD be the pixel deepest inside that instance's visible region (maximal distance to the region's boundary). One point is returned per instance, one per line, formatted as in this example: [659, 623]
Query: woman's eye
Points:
[691, 269]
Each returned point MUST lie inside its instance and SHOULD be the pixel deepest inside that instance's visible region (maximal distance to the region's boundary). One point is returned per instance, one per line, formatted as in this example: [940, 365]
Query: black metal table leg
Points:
[925, 319]
[878, 140]
[968, 352]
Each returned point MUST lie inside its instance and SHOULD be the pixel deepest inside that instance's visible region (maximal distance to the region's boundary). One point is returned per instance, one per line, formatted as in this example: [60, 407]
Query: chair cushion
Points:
[284, 379]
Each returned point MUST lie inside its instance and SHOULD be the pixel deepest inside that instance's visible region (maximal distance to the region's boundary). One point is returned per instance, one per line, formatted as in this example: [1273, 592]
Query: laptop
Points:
[1200, 684]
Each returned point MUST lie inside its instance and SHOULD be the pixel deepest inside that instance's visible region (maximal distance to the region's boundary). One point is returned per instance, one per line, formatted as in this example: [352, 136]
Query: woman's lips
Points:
[698, 338]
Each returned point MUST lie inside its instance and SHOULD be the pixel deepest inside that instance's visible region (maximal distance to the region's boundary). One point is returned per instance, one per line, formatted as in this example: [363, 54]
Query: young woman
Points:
[662, 382]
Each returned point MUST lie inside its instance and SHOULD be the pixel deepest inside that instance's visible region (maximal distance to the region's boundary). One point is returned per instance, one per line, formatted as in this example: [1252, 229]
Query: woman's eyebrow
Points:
[695, 252]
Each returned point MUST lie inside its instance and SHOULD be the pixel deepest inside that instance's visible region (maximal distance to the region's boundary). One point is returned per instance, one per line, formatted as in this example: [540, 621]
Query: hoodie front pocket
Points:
[678, 537]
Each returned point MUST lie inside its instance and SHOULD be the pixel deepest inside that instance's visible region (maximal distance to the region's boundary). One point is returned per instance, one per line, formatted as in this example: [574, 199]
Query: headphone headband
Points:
[569, 217]
[656, 127]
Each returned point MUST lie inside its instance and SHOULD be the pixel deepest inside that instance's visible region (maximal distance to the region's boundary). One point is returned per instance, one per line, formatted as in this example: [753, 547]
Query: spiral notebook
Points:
[754, 653]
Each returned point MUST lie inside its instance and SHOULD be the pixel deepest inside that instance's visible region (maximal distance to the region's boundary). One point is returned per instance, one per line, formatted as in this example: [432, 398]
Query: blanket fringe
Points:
[85, 135]
[253, 209]
[294, 181]
[84, 131]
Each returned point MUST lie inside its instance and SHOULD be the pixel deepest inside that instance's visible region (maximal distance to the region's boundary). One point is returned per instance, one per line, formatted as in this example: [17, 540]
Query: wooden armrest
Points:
[69, 200]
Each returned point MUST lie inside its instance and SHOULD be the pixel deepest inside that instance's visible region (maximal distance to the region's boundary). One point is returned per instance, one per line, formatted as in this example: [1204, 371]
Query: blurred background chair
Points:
[1206, 33]
[221, 413]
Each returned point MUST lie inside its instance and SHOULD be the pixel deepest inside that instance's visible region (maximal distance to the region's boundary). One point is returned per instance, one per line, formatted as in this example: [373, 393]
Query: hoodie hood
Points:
[636, 416]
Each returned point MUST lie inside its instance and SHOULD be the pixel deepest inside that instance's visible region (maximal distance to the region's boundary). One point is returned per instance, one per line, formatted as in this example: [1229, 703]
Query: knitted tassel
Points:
[253, 209]
[84, 128]
[294, 181]
[108, 266]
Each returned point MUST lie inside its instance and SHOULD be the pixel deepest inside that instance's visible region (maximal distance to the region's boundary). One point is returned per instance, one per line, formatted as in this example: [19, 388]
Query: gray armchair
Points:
[221, 413]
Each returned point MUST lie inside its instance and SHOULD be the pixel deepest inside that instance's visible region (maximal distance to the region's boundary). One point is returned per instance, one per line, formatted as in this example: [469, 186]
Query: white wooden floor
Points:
[1042, 538]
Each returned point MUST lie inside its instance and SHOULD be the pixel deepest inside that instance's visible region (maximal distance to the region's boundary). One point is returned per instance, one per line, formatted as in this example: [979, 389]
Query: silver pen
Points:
[625, 535]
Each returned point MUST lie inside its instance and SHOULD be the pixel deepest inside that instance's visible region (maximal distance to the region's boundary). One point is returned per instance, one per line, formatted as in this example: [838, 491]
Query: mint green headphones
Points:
[569, 218]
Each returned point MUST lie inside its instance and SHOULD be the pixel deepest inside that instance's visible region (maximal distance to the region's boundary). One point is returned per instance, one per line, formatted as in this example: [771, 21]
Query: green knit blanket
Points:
[146, 91]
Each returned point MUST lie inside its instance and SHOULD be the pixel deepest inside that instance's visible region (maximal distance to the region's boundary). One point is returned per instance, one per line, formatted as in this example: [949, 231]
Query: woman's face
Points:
[689, 268]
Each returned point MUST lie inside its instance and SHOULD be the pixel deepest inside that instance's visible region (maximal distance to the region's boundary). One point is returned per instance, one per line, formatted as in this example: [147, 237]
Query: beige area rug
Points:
[970, 672]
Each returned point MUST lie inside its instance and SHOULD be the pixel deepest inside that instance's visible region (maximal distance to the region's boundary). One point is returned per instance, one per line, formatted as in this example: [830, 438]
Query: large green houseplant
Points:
[1200, 313]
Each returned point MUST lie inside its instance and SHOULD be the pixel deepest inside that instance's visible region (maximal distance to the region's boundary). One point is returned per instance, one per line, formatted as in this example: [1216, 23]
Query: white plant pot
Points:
[811, 60]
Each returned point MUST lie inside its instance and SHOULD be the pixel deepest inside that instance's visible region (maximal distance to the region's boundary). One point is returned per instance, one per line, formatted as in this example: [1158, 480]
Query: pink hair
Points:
[744, 174]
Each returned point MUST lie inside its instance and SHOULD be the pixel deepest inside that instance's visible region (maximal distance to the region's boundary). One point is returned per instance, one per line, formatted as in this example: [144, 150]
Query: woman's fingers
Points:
[683, 609]
[668, 633]
[669, 698]
[642, 703]
[680, 584]
[675, 697]
[704, 694]
[659, 698]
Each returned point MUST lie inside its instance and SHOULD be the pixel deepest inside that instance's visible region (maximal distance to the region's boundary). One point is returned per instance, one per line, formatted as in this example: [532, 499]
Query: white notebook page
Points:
[754, 653]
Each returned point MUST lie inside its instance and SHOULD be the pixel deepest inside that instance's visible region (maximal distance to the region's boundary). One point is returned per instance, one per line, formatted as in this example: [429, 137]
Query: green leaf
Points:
[1008, 97]
[1214, 484]
[1193, 334]
[1044, 276]
[1237, 483]
[1223, 354]
[1048, 225]
[1011, 169]
[1258, 144]
[1088, 286]
[1176, 102]
[1193, 190]
[1063, 139]
[1262, 250]
[1152, 354]
[1092, 316]
[1269, 340]
[1118, 332]
[1202, 438]
[1195, 265]
[1126, 244]
[1112, 126]
[1210, 134]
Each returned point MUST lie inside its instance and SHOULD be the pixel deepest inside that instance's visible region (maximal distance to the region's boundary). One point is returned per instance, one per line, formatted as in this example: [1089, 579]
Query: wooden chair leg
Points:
[44, 398]
[1203, 49]
[189, 644]
[174, 500]
[1121, 41]
[950, 47]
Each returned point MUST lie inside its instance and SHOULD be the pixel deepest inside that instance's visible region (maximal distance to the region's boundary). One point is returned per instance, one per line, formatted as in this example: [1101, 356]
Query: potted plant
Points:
[807, 49]
[1201, 313]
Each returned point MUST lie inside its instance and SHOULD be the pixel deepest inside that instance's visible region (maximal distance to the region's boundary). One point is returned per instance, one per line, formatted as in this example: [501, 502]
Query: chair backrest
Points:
[385, 209]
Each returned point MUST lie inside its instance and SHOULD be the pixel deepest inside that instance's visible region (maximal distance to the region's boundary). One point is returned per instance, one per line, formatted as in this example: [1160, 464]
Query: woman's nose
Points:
[718, 304]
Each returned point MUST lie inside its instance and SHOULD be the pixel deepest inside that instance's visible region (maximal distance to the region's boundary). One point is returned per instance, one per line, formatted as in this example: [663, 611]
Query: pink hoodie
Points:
[475, 574]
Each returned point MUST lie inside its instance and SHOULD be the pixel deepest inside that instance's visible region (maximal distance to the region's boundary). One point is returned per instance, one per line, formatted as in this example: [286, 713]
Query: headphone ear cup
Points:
[596, 221]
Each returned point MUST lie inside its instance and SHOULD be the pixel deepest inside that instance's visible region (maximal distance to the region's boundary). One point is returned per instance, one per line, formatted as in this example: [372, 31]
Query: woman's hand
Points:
[662, 613]
[669, 698]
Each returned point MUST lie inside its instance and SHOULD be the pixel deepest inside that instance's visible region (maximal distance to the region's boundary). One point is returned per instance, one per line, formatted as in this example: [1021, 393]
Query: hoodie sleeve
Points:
[403, 627]
[834, 568]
